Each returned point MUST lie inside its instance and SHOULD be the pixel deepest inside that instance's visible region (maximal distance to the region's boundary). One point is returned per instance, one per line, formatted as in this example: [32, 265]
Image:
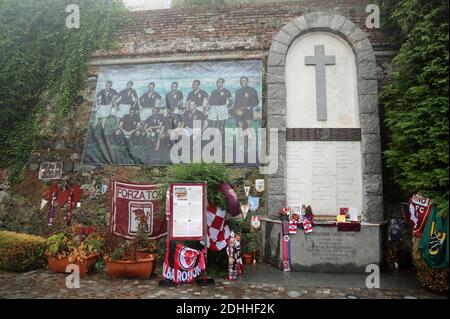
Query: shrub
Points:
[416, 101]
[21, 252]
[435, 280]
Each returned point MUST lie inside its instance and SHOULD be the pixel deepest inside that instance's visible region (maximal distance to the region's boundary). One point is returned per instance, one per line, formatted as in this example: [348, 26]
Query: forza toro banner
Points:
[130, 202]
[183, 264]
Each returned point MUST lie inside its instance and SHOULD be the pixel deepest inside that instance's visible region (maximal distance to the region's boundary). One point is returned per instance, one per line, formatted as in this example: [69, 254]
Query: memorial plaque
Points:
[325, 175]
[328, 250]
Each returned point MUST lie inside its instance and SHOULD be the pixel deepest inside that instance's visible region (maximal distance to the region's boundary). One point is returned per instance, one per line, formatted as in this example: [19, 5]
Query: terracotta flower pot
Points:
[143, 267]
[60, 265]
[247, 258]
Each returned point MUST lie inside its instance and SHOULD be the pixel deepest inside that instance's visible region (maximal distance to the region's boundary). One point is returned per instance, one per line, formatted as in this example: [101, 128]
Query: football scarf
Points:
[307, 226]
[285, 246]
[292, 227]
[183, 264]
[253, 203]
[234, 257]
[51, 196]
[419, 209]
[128, 201]
[433, 246]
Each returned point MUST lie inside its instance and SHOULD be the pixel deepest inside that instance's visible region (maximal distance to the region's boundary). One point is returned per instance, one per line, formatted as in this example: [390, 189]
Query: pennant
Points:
[255, 221]
[244, 209]
[259, 185]
[247, 190]
[253, 203]
[43, 203]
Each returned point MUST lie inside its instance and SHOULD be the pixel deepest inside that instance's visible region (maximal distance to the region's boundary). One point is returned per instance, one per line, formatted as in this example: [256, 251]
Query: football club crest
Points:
[247, 190]
[137, 211]
[253, 203]
[259, 185]
[187, 258]
[244, 209]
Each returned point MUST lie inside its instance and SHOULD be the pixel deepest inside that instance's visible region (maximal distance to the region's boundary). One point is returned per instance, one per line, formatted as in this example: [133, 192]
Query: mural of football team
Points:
[137, 107]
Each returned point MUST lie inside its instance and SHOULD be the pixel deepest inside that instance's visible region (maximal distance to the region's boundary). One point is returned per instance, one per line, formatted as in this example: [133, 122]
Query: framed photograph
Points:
[50, 170]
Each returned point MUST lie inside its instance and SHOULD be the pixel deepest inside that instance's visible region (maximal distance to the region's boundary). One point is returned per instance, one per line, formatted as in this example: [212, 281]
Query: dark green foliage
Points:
[416, 102]
[38, 54]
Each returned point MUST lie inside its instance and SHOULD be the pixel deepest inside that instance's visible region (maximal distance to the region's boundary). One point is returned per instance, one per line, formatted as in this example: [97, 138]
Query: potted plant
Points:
[133, 258]
[81, 249]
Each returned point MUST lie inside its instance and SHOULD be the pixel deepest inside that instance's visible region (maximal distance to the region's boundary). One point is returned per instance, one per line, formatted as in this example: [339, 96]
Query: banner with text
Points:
[130, 202]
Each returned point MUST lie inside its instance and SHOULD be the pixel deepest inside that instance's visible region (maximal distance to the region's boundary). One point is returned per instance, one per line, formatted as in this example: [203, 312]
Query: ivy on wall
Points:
[42, 62]
[416, 101]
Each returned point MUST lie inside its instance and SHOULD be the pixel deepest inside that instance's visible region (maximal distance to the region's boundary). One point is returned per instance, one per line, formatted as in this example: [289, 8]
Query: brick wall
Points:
[224, 28]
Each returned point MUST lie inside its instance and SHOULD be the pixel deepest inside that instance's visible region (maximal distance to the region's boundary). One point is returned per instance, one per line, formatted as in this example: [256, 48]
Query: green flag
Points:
[434, 243]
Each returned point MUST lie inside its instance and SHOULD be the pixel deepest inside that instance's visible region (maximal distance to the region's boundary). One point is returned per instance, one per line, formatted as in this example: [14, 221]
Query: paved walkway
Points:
[258, 281]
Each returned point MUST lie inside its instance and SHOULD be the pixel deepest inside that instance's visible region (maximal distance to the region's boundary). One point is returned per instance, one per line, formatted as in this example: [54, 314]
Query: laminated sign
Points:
[130, 202]
[187, 211]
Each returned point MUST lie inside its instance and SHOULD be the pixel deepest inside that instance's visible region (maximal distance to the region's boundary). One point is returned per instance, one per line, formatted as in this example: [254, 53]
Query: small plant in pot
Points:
[130, 258]
[81, 249]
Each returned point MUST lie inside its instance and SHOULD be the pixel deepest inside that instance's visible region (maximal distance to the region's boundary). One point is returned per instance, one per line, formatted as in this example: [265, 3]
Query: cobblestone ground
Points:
[45, 284]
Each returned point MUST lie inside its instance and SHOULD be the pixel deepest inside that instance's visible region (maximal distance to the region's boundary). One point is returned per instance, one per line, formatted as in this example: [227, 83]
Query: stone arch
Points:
[367, 90]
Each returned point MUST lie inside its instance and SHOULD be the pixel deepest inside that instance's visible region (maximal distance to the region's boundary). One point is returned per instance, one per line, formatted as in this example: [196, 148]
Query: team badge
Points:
[259, 185]
[187, 258]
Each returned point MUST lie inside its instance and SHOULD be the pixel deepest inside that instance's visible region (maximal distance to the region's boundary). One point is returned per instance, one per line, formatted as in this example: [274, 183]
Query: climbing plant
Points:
[39, 54]
[416, 102]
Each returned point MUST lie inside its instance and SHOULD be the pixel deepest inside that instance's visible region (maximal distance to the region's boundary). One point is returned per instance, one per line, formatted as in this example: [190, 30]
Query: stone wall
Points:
[179, 34]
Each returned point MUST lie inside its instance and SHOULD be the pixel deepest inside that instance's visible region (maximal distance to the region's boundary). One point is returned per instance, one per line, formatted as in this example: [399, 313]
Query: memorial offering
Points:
[129, 201]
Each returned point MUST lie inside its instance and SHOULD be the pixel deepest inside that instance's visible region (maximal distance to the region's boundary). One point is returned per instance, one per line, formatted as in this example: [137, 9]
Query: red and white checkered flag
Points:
[218, 231]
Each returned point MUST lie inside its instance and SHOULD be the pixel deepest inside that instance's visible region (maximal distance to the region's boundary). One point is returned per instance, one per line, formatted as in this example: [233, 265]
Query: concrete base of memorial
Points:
[325, 249]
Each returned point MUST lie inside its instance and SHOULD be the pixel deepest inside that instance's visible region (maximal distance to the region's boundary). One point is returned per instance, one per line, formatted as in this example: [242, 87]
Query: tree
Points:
[416, 101]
